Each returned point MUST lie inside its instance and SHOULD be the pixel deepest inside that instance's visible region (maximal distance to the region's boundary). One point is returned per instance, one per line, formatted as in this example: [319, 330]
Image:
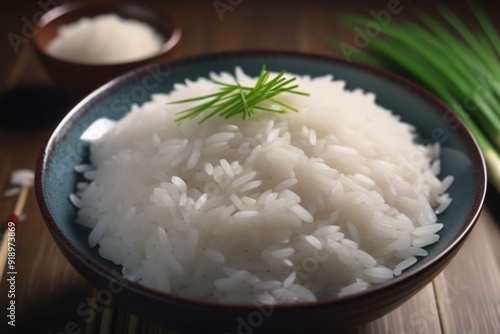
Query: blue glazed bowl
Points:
[460, 157]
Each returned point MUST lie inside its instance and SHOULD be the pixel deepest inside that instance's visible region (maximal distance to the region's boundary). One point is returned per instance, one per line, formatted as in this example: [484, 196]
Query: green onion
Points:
[233, 99]
[459, 65]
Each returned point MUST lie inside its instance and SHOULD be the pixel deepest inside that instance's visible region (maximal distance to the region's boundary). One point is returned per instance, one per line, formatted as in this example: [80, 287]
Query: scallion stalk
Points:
[459, 65]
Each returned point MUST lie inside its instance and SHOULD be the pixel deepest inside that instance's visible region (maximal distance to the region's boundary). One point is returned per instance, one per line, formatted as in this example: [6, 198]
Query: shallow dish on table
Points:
[460, 157]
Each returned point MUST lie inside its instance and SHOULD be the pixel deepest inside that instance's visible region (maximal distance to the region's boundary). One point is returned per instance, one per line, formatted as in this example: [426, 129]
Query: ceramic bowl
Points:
[81, 78]
[460, 157]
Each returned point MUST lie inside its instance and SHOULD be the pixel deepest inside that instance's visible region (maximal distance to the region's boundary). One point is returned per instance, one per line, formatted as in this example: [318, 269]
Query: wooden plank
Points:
[270, 26]
[223, 31]
[417, 315]
[192, 21]
[468, 290]
[14, 18]
[315, 23]
[48, 288]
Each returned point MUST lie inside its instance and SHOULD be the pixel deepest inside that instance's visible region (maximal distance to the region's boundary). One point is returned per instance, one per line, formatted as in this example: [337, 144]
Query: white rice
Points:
[105, 39]
[278, 208]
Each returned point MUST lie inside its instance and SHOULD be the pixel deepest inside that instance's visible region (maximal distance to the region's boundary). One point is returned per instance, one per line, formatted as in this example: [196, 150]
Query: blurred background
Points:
[50, 290]
[297, 25]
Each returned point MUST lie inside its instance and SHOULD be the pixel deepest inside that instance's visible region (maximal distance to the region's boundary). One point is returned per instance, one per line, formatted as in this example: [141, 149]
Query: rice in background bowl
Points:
[93, 75]
[105, 39]
[460, 157]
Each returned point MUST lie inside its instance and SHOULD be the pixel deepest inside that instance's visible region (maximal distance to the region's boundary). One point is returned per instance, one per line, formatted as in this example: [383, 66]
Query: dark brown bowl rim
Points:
[73, 116]
[107, 7]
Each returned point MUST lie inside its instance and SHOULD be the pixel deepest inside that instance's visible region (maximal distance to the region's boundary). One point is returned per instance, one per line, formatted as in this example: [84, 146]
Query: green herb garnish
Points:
[233, 99]
[460, 65]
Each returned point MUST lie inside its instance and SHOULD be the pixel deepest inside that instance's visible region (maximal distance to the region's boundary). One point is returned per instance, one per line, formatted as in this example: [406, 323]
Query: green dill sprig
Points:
[233, 99]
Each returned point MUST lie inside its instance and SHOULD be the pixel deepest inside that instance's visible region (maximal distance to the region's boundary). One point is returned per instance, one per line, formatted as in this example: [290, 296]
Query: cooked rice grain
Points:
[279, 208]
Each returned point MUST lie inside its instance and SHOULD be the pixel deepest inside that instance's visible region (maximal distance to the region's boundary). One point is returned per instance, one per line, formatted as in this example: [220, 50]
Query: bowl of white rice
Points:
[316, 220]
[84, 44]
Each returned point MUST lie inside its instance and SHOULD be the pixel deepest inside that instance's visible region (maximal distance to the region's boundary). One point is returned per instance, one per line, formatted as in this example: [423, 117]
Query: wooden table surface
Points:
[464, 298]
